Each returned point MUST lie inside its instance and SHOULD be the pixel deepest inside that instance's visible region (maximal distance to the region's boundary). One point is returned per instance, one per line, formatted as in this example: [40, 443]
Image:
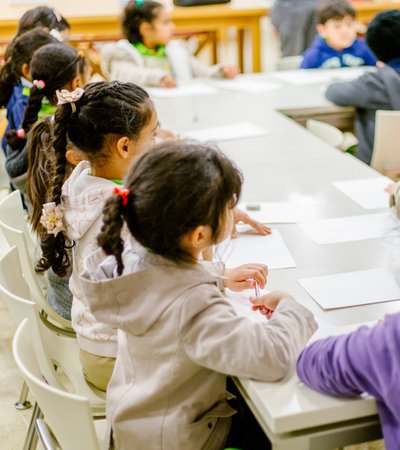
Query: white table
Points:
[291, 164]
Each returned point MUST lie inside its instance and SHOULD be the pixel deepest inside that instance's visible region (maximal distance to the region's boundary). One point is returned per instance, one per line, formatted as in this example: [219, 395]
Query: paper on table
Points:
[182, 91]
[242, 305]
[253, 248]
[247, 85]
[369, 193]
[279, 212]
[351, 228]
[353, 288]
[231, 132]
[307, 76]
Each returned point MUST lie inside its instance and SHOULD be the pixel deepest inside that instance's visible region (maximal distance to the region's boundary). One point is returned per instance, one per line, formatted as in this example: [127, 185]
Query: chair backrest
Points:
[14, 227]
[328, 133]
[68, 415]
[386, 153]
[289, 62]
[52, 349]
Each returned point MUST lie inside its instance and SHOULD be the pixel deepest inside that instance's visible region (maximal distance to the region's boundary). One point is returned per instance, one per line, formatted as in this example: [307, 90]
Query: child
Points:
[367, 360]
[178, 334]
[148, 56]
[111, 123]
[295, 23]
[337, 44]
[15, 79]
[374, 90]
[53, 67]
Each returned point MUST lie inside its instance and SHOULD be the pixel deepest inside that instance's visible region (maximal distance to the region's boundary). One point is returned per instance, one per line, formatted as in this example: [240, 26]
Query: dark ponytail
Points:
[20, 52]
[105, 109]
[52, 67]
[172, 189]
[135, 13]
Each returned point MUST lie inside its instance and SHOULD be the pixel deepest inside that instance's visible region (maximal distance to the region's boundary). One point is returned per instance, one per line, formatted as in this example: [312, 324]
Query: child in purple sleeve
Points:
[337, 44]
[367, 360]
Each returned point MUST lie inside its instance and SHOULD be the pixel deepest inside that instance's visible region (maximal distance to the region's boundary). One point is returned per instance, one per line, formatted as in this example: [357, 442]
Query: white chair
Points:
[68, 423]
[386, 152]
[14, 227]
[328, 133]
[289, 63]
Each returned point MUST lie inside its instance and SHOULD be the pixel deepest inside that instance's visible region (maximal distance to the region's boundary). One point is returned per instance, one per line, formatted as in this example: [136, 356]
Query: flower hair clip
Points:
[51, 218]
[64, 96]
[39, 84]
[21, 133]
[123, 193]
[57, 15]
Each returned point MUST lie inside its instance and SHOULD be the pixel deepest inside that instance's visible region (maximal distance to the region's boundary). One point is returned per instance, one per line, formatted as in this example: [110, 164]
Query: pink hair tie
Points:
[123, 193]
[21, 133]
[40, 84]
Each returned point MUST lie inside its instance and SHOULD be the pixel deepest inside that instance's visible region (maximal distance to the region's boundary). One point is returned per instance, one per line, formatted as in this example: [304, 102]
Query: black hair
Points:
[105, 109]
[42, 16]
[20, 53]
[383, 35]
[334, 9]
[135, 13]
[56, 65]
[172, 189]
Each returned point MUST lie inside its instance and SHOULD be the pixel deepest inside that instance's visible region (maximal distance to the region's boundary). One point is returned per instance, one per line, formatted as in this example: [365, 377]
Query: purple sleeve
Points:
[367, 360]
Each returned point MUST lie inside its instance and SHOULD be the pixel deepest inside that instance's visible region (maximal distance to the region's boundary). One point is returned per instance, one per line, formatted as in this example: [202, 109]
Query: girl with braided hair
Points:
[111, 123]
[53, 67]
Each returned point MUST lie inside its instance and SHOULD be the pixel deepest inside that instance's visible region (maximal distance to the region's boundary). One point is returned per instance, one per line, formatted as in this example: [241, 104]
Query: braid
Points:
[30, 118]
[109, 238]
[54, 248]
[8, 79]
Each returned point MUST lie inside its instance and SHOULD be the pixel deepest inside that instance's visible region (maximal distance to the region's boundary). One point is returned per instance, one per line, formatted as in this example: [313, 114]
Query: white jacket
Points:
[178, 338]
[123, 62]
[83, 199]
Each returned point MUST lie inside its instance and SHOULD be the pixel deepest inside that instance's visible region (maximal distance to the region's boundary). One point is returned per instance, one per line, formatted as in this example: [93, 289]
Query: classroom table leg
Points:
[256, 45]
[240, 49]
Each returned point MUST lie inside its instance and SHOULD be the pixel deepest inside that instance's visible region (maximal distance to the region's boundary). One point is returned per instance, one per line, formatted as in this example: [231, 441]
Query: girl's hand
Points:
[268, 303]
[168, 82]
[390, 188]
[229, 71]
[241, 216]
[243, 277]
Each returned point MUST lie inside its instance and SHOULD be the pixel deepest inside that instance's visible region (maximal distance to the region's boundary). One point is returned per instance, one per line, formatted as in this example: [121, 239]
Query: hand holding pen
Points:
[268, 303]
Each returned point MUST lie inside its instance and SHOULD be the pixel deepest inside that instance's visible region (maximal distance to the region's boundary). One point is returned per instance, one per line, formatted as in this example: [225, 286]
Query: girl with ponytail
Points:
[53, 67]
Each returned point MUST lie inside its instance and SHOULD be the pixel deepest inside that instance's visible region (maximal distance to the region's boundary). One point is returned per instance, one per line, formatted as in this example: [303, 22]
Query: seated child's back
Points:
[337, 44]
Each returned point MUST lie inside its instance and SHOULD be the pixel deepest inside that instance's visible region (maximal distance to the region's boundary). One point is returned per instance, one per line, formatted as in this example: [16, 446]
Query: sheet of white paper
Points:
[254, 248]
[369, 193]
[182, 91]
[242, 305]
[247, 85]
[351, 228]
[278, 212]
[303, 77]
[353, 288]
[231, 132]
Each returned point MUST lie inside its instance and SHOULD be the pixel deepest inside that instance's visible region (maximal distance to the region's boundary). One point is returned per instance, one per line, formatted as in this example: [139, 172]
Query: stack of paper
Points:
[278, 212]
[353, 288]
[231, 132]
[253, 248]
[369, 193]
[188, 90]
[351, 228]
[247, 85]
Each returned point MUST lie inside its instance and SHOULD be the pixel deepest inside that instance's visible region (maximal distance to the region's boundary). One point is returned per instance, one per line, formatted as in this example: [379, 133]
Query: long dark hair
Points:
[173, 188]
[105, 109]
[56, 65]
[20, 53]
[135, 13]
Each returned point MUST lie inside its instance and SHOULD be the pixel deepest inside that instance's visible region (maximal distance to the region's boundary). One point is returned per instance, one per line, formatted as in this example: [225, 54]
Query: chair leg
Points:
[23, 402]
[31, 438]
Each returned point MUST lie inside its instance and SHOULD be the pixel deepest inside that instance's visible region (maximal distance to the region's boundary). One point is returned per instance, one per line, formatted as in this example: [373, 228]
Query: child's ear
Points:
[25, 71]
[199, 238]
[75, 156]
[75, 83]
[145, 28]
[123, 147]
[321, 29]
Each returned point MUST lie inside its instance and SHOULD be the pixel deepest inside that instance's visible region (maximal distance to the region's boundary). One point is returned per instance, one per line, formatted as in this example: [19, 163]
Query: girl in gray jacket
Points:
[178, 335]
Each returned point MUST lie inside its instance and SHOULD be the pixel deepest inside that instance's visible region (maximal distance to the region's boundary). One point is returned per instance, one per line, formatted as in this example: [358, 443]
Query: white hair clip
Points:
[64, 96]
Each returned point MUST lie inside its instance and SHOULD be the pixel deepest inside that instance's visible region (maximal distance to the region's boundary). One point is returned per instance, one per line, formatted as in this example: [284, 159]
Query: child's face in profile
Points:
[162, 28]
[338, 33]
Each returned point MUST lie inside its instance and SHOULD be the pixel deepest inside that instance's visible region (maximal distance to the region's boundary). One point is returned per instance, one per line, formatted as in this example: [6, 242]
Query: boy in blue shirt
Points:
[337, 44]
